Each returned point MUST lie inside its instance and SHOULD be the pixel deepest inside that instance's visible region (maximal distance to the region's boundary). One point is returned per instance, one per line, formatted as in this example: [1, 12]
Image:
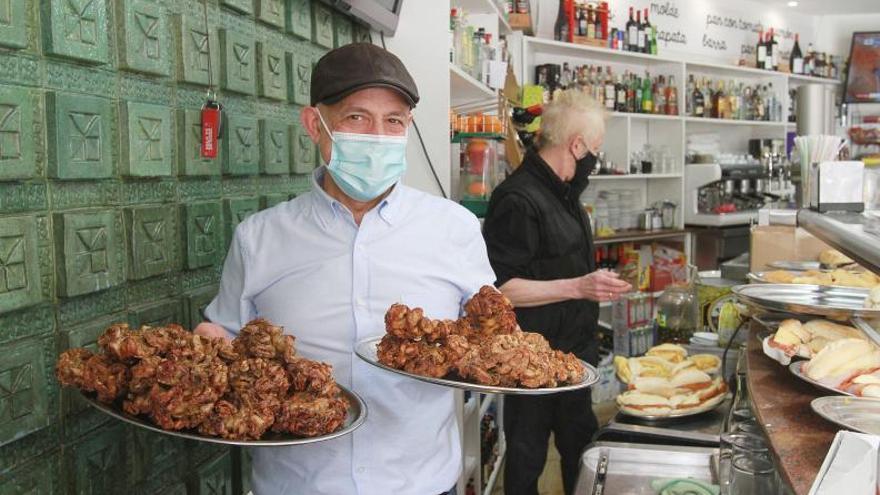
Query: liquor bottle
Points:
[637, 94]
[659, 95]
[761, 51]
[647, 97]
[632, 33]
[620, 97]
[612, 39]
[566, 76]
[560, 29]
[597, 24]
[797, 59]
[610, 92]
[640, 33]
[646, 29]
[589, 24]
[771, 55]
[810, 61]
[731, 106]
[631, 102]
[671, 97]
[689, 96]
[581, 22]
[775, 49]
[718, 101]
[698, 102]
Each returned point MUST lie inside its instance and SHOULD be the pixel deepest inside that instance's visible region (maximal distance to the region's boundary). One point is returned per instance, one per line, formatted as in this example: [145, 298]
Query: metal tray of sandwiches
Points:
[834, 302]
[355, 417]
[366, 350]
[609, 468]
[797, 369]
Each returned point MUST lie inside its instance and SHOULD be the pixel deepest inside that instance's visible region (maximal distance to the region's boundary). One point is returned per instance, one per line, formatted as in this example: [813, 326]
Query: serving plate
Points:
[707, 406]
[796, 368]
[835, 302]
[366, 350]
[853, 413]
[357, 414]
[795, 266]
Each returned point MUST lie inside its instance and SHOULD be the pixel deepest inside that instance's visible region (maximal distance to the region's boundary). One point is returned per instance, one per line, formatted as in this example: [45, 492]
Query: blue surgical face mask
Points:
[365, 165]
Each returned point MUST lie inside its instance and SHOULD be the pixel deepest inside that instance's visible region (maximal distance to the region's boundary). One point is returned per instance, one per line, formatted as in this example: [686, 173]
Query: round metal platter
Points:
[840, 302]
[853, 413]
[357, 414]
[366, 350]
[796, 266]
[709, 405]
[796, 367]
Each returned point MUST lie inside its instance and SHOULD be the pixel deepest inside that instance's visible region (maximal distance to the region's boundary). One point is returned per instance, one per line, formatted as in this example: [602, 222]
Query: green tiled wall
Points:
[108, 212]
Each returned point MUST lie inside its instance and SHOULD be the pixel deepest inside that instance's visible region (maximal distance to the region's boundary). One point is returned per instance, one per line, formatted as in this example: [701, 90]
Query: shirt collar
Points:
[540, 169]
[329, 209]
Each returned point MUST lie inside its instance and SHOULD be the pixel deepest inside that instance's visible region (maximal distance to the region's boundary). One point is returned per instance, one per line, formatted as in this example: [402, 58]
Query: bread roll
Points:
[842, 358]
[670, 352]
[779, 277]
[834, 258]
[873, 299]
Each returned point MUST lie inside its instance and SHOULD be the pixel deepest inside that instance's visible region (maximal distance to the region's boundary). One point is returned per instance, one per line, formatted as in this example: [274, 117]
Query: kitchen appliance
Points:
[837, 186]
[723, 194]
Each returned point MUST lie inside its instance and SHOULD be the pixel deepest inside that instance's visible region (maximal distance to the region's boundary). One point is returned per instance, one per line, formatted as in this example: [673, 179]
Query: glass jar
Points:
[678, 310]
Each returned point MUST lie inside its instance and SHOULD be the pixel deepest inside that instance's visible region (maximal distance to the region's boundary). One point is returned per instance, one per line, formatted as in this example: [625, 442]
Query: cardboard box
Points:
[771, 243]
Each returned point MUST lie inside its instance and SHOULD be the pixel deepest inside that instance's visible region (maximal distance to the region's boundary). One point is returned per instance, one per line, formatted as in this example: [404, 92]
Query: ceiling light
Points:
[792, 3]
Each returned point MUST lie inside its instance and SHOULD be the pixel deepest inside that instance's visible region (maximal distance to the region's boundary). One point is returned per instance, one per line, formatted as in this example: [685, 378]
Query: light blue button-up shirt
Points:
[306, 265]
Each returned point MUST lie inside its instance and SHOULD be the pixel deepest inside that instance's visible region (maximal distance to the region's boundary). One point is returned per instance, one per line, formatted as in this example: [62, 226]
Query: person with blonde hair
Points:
[541, 249]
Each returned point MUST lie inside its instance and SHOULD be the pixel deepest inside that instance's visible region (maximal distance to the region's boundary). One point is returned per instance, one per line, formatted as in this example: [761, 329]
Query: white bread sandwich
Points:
[791, 337]
[833, 258]
[653, 385]
[867, 385]
[650, 366]
[691, 379]
[843, 359]
[709, 363]
[873, 299]
[641, 404]
[670, 352]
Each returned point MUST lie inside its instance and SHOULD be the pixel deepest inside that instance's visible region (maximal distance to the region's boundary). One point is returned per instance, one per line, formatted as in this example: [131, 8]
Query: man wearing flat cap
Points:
[328, 264]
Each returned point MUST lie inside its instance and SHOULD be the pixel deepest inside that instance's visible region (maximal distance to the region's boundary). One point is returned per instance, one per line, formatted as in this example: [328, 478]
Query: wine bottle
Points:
[761, 51]
[582, 22]
[797, 59]
[632, 33]
[646, 29]
[560, 29]
[620, 89]
[775, 49]
[610, 92]
[589, 25]
[640, 33]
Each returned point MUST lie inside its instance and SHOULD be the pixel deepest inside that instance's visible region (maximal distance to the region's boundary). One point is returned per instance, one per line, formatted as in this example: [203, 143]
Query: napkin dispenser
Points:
[837, 186]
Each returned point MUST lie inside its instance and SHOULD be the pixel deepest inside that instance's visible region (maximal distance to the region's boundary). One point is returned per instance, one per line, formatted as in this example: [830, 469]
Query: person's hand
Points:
[208, 329]
[601, 286]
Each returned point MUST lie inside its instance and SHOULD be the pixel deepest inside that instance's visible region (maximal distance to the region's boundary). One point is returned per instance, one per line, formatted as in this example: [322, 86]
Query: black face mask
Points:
[583, 169]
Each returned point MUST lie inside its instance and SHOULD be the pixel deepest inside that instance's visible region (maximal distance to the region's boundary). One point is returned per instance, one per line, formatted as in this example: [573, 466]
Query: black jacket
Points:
[536, 229]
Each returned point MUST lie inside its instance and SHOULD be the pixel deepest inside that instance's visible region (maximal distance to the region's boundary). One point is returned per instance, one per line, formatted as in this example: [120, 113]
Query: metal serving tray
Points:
[709, 405]
[853, 413]
[631, 467]
[836, 302]
[705, 428]
[357, 414]
[796, 369]
[366, 350]
[795, 266]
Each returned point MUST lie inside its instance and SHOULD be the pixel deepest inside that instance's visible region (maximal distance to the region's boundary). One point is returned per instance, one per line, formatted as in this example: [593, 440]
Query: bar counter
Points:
[781, 402]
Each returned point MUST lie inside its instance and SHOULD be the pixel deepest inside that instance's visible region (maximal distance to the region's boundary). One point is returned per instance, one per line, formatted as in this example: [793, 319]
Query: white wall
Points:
[421, 42]
[835, 31]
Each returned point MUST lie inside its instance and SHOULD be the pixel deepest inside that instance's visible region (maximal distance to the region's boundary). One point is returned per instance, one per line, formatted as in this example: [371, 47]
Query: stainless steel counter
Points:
[854, 234]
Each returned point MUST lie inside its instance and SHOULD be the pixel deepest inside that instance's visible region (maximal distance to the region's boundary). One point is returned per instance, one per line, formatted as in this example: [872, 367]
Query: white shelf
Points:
[496, 468]
[465, 89]
[541, 45]
[484, 7]
[645, 116]
[676, 175]
[797, 78]
[732, 70]
[752, 123]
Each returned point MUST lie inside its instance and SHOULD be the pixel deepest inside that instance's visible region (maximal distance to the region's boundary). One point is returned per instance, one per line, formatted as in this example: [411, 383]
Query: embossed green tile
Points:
[143, 37]
[299, 18]
[155, 315]
[75, 29]
[270, 200]
[271, 12]
[203, 234]
[302, 151]
[20, 284]
[189, 150]
[94, 464]
[273, 72]
[79, 136]
[215, 476]
[361, 34]
[236, 210]
[276, 146]
[243, 6]
[238, 58]
[89, 251]
[38, 476]
[322, 25]
[13, 23]
[196, 302]
[151, 231]
[152, 453]
[24, 390]
[146, 139]
[342, 34]
[299, 78]
[196, 50]
[241, 145]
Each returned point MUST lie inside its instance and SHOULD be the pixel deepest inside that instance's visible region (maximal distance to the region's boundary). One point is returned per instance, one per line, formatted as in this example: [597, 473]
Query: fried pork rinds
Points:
[237, 422]
[185, 391]
[258, 382]
[93, 373]
[308, 415]
[315, 377]
[490, 313]
[419, 357]
[405, 323]
[261, 339]
[507, 360]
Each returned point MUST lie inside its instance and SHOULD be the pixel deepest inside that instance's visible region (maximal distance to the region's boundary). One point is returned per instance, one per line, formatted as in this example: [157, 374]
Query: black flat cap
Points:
[350, 68]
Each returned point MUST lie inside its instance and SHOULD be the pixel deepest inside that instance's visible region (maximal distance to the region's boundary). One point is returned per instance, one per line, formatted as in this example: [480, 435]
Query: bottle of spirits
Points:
[637, 94]
[566, 76]
[660, 95]
[671, 97]
[610, 92]
[698, 102]
[632, 33]
[810, 61]
[597, 24]
[560, 29]
[581, 22]
[796, 59]
[589, 24]
[647, 96]
[620, 96]
[631, 102]
[689, 96]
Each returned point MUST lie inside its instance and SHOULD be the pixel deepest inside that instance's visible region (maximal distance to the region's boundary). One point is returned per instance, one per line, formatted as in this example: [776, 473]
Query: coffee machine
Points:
[719, 195]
